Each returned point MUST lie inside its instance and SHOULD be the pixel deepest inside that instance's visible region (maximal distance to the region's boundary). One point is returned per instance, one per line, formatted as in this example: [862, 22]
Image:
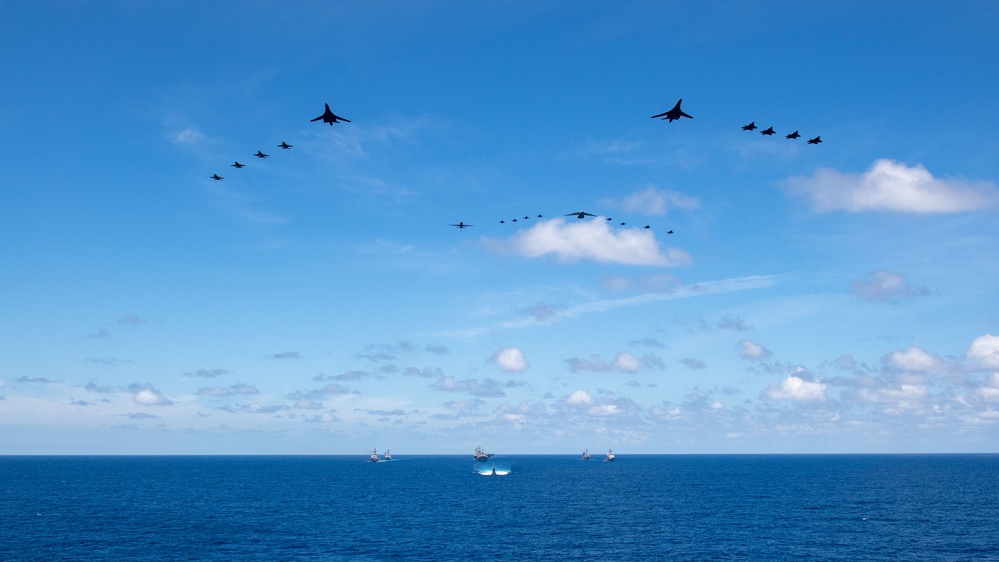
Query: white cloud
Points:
[795, 388]
[509, 359]
[652, 201]
[893, 187]
[579, 398]
[990, 390]
[882, 285]
[915, 359]
[592, 240]
[984, 350]
[752, 350]
[150, 397]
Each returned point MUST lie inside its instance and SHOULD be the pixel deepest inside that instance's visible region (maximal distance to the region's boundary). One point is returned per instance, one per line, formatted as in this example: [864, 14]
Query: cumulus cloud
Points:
[799, 389]
[509, 359]
[652, 201]
[892, 187]
[882, 285]
[591, 240]
[623, 362]
[146, 395]
[751, 350]
[989, 391]
[984, 351]
[915, 359]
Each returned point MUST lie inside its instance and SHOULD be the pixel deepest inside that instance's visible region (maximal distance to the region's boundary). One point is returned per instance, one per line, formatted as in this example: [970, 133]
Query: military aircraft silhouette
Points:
[673, 114]
[793, 135]
[669, 232]
[461, 225]
[329, 117]
[502, 221]
[579, 214]
[768, 131]
[816, 140]
[750, 127]
[261, 155]
[217, 177]
[237, 165]
[647, 227]
[285, 145]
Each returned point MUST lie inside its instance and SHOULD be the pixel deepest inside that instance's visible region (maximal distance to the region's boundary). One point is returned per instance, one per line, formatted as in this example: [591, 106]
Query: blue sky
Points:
[839, 297]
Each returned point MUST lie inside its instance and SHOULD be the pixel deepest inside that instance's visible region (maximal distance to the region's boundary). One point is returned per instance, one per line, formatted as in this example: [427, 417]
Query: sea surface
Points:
[656, 507]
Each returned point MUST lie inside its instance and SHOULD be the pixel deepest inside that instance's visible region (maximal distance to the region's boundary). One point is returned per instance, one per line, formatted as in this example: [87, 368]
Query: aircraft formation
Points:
[670, 115]
[676, 113]
[327, 117]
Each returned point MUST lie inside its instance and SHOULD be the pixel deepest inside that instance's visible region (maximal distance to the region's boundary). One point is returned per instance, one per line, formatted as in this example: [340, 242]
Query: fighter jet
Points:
[673, 114]
[217, 177]
[646, 227]
[793, 135]
[750, 127]
[237, 165]
[461, 225]
[769, 131]
[285, 145]
[329, 117]
[816, 140]
[261, 155]
[669, 232]
[579, 214]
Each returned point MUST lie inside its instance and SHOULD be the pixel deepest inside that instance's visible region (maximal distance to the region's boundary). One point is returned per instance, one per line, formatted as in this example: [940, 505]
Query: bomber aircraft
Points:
[673, 114]
[330, 117]
[462, 225]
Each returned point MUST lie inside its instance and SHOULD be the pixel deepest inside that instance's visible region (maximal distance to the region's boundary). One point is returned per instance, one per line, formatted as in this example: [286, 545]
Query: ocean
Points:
[646, 507]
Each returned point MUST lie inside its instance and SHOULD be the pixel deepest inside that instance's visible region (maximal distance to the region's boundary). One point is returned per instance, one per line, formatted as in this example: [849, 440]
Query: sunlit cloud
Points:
[590, 240]
[984, 351]
[798, 389]
[751, 350]
[509, 359]
[892, 187]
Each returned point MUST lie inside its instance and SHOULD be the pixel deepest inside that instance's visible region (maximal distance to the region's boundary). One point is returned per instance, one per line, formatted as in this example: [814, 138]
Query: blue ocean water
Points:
[783, 507]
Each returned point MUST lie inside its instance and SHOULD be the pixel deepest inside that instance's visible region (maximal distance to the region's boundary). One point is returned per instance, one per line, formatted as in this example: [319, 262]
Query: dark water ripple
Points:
[839, 507]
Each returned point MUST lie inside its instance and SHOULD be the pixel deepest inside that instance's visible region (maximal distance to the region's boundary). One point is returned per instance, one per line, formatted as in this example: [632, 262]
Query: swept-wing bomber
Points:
[816, 140]
[237, 165]
[217, 177]
[579, 214]
[461, 225]
[750, 127]
[673, 114]
[285, 145]
[261, 155]
[768, 131]
[793, 135]
[330, 117]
